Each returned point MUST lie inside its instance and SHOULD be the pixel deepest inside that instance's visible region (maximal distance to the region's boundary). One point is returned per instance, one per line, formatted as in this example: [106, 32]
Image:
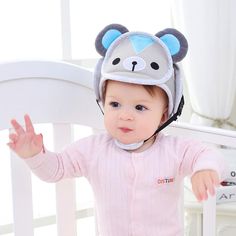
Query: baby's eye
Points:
[140, 108]
[114, 104]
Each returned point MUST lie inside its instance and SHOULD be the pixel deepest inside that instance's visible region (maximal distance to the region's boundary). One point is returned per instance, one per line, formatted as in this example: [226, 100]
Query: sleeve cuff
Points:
[35, 161]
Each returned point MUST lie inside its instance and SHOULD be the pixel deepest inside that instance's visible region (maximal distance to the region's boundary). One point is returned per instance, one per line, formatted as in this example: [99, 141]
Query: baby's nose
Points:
[126, 114]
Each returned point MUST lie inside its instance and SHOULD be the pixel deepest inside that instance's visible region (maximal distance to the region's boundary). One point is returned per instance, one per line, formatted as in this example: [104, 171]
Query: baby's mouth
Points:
[125, 129]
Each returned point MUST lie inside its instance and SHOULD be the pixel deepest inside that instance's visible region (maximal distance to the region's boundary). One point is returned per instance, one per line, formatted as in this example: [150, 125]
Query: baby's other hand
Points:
[204, 182]
[24, 142]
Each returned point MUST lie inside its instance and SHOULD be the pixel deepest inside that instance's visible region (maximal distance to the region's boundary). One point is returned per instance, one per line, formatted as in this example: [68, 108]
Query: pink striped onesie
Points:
[136, 194]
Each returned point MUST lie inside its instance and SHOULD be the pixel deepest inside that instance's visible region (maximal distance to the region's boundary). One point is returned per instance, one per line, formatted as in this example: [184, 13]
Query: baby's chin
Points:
[128, 141]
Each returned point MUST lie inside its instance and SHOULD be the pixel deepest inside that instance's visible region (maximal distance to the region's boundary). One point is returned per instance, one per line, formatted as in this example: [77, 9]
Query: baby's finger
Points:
[200, 191]
[215, 179]
[28, 124]
[11, 145]
[210, 186]
[197, 195]
[18, 128]
[13, 137]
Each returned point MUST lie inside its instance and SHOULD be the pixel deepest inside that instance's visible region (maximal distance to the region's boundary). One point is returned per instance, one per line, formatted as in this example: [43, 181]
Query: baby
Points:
[136, 172]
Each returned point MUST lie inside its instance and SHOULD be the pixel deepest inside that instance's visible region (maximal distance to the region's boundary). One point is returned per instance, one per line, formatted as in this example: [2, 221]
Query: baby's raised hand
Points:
[25, 143]
[204, 182]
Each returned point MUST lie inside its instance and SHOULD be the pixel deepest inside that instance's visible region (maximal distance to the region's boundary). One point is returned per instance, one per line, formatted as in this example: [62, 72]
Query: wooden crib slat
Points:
[22, 197]
[65, 189]
[66, 208]
[209, 216]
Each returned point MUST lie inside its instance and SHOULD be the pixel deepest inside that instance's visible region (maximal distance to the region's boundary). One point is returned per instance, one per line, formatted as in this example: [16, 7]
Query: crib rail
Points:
[206, 134]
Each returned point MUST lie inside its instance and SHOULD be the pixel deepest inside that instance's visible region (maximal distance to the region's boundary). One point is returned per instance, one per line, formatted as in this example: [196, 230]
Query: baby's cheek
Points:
[109, 122]
[150, 126]
[106, 121]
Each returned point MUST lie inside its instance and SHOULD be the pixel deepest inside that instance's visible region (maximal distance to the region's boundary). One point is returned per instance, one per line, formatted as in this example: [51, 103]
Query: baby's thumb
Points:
[38, 140]
[11, 146]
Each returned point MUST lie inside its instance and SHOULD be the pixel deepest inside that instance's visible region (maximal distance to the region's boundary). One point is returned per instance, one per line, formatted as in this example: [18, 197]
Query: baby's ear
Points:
[175, 42]
[107, 36]
[164, 117]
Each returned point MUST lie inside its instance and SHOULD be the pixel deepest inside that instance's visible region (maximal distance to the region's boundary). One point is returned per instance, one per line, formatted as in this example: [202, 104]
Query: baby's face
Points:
[131, 114]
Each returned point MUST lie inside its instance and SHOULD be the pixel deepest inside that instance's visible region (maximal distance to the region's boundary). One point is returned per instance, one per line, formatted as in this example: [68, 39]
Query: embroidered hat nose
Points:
[134, 63]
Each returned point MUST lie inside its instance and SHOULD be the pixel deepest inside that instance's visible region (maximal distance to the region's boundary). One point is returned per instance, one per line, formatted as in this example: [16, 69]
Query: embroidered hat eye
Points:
[154, 66]
[116, 61]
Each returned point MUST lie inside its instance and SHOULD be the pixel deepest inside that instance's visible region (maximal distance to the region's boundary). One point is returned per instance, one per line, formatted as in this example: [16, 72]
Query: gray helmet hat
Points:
[142, 58]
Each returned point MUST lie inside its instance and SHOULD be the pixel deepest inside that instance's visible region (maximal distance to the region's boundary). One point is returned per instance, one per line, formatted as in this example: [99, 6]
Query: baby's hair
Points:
[151, 89]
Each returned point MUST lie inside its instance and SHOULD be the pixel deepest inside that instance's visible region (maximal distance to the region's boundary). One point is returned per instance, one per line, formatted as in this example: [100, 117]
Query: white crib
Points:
[61, 93]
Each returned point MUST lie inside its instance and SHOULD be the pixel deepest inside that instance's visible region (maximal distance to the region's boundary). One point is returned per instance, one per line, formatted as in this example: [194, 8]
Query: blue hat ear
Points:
[107, 36]
[175, 42]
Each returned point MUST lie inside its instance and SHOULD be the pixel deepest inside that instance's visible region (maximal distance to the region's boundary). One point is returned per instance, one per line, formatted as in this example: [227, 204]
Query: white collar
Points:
[129, 147]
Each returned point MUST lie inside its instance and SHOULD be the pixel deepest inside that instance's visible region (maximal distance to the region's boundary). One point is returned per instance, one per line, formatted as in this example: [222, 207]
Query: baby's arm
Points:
[48, 166]
[204, 164]
[25, 143]
[204, 182]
